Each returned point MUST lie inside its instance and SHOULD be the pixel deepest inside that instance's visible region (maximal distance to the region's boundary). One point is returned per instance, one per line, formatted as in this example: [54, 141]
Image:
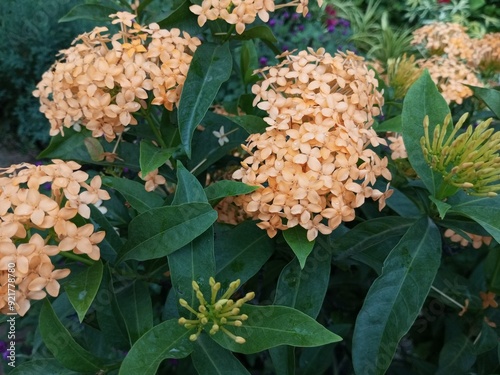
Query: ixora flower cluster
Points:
[219, 312]
[102, 80]
[241, 13]
[26, 215]
[313, 164]
[454, 57]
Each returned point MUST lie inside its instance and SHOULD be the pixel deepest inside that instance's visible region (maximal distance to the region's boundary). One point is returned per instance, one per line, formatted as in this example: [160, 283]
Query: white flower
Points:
[221, 135]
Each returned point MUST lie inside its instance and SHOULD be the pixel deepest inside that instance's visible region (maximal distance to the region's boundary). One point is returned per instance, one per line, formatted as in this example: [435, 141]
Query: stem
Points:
[447, 297]
[229, 33]
[78, 258]
[153, 125]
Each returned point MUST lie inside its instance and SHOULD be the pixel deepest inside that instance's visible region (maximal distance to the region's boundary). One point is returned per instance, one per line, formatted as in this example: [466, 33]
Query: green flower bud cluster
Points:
[218, 312]
[470, 161]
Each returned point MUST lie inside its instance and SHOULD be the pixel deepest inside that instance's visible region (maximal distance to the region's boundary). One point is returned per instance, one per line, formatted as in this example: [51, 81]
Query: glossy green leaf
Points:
[270, 326]
[248, 62]
[72, 147]
[189, 189]
[209, 358]
[134, 302]
[490, 97]
[262, 32]
[210, 67]
[487, 341]
[94, 12]
[316, 360]
[161, 231]
[283, 358]
[371, 238]
[194, 261]
[296, 238]
[422, 99]
[241, 252]
[64, 347]
[396, 297]
[166, 340]
[402, 205]
[205, 146]
[112, 242]
[252, 124]
[152, 157]
[135, 193]
[181, 18]
[392, 125]
[456, 357]
[82, 286]
[441, 206]
[227, 188]
[484, 211]
[42, 366]
[492, 270]
[296, 283]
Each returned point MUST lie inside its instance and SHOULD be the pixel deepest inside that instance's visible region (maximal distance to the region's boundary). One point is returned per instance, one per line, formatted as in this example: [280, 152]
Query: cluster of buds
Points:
[241, 13]
[103, 80]
[217, 313]
[27, 214]
[487, 54]
[313, 164]
[401, 74]
[470, 161]
[476, 240]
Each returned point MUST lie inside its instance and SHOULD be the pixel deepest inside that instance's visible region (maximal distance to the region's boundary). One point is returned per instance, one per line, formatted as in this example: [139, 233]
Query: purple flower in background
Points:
[272, 22]
[331, 28]
[301, 27]
[284, 48]
[344, 23]
[47, 186]
[286, 15]
[3, 349]
[295, 16]
[263, 61]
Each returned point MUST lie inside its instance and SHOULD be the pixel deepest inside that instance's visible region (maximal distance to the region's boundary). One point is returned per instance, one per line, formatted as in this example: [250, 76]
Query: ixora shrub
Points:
[165, 233]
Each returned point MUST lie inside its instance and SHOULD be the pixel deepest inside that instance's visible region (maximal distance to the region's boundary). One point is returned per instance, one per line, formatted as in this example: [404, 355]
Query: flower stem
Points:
[78, 258]
[153, 125]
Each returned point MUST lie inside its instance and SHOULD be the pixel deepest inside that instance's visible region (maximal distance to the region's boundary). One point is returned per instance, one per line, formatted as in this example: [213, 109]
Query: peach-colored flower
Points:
[488, 299]
[312, 164]
[153, 180]
[477, 240]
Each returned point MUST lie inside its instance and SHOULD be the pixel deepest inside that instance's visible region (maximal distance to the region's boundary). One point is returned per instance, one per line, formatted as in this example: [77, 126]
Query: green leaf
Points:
[401, 204]
[241, 252]
[181, 17]
[136, 308]
[94, 148]
[283, 358]
[490, 97]
[166, 340]
[484, 211]
[396, 297]
[134, 193]
[370, 238]
[456, 357]
[252, 124]
[81, 288]
[317, 360]
[296, 238]
[492, 270]
[488, 340]
[442, 207]
[161, 231]
[60, 343]
[72, 147]
[209, 358]
[210, 67]
[248, 62]
[270, 326]
[262, 32]
[422, 99]
[189, 189]
[152, 157]
[94, 12]
[296, 283]
[42, 366]
[112, 242]
[227, 188]
[392, 125]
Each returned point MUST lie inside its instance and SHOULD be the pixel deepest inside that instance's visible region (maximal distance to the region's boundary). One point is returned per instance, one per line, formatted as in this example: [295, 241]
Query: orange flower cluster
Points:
[448, 38]
[452, 61]
[241, 13]
[487, 53]
[451, 77]
[102, 80]
[313, 162]
[477, 240]
[26, 214]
